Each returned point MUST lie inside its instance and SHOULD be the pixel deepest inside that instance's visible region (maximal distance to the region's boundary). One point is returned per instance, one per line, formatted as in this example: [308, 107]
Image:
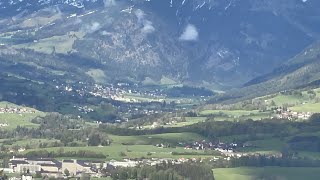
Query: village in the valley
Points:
[286, 113]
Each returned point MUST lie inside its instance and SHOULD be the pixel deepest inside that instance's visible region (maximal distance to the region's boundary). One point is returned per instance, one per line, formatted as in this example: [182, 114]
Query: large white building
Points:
[25, 165]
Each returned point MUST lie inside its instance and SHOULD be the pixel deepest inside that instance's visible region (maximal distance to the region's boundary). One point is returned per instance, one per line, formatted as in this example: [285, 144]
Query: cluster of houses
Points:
[84, 109]
[105, 92]
[157, 124]
[284, 113]
[14, 150]
[4, 125]
[133, 97]
[15, 110]
[117, 92]
[132, 104]
[217, 146]
[227, 150]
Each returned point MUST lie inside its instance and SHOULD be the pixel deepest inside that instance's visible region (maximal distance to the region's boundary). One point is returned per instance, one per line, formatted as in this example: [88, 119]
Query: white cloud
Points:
[190, 33]
[77, 21]
[148, 27]
[140, 15]
[93, 27]
[108, 3]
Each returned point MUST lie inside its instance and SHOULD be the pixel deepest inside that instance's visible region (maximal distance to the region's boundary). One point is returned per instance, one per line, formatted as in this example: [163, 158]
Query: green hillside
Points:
[300, 71]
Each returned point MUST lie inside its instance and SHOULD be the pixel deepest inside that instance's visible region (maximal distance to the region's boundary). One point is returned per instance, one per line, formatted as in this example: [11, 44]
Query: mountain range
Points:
[216, 43]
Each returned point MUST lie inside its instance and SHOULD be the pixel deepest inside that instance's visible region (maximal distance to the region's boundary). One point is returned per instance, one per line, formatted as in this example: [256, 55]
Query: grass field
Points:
[60, 44]
[157, 138]
[3, 104]
[286, 99]
[235, 113]
[133, 151]
[310, 155]
[276, 173]
[281, 99]
[272, 144]
[142, 146]
[32, 143]
[308, 107]
[14, 120]
[40, 21]
[259, 116]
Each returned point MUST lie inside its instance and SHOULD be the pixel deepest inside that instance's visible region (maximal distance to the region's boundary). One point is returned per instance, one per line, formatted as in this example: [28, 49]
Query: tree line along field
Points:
[276, 173]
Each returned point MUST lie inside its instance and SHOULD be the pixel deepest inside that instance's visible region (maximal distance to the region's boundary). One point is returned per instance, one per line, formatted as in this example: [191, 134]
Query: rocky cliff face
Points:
[218, 41]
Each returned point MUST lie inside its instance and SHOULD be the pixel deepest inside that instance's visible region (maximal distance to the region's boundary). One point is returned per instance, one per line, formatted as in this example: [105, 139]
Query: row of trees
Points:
[62, 153]
[165, 171]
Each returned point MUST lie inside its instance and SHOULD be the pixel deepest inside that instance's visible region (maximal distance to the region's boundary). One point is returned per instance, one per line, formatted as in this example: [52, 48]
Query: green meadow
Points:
[276, 173]
[286, 99]
[118, 152]
[14, 120]
[142, 146]
[270, 144]
[157, 138]
[229, 112]
[307, 107]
